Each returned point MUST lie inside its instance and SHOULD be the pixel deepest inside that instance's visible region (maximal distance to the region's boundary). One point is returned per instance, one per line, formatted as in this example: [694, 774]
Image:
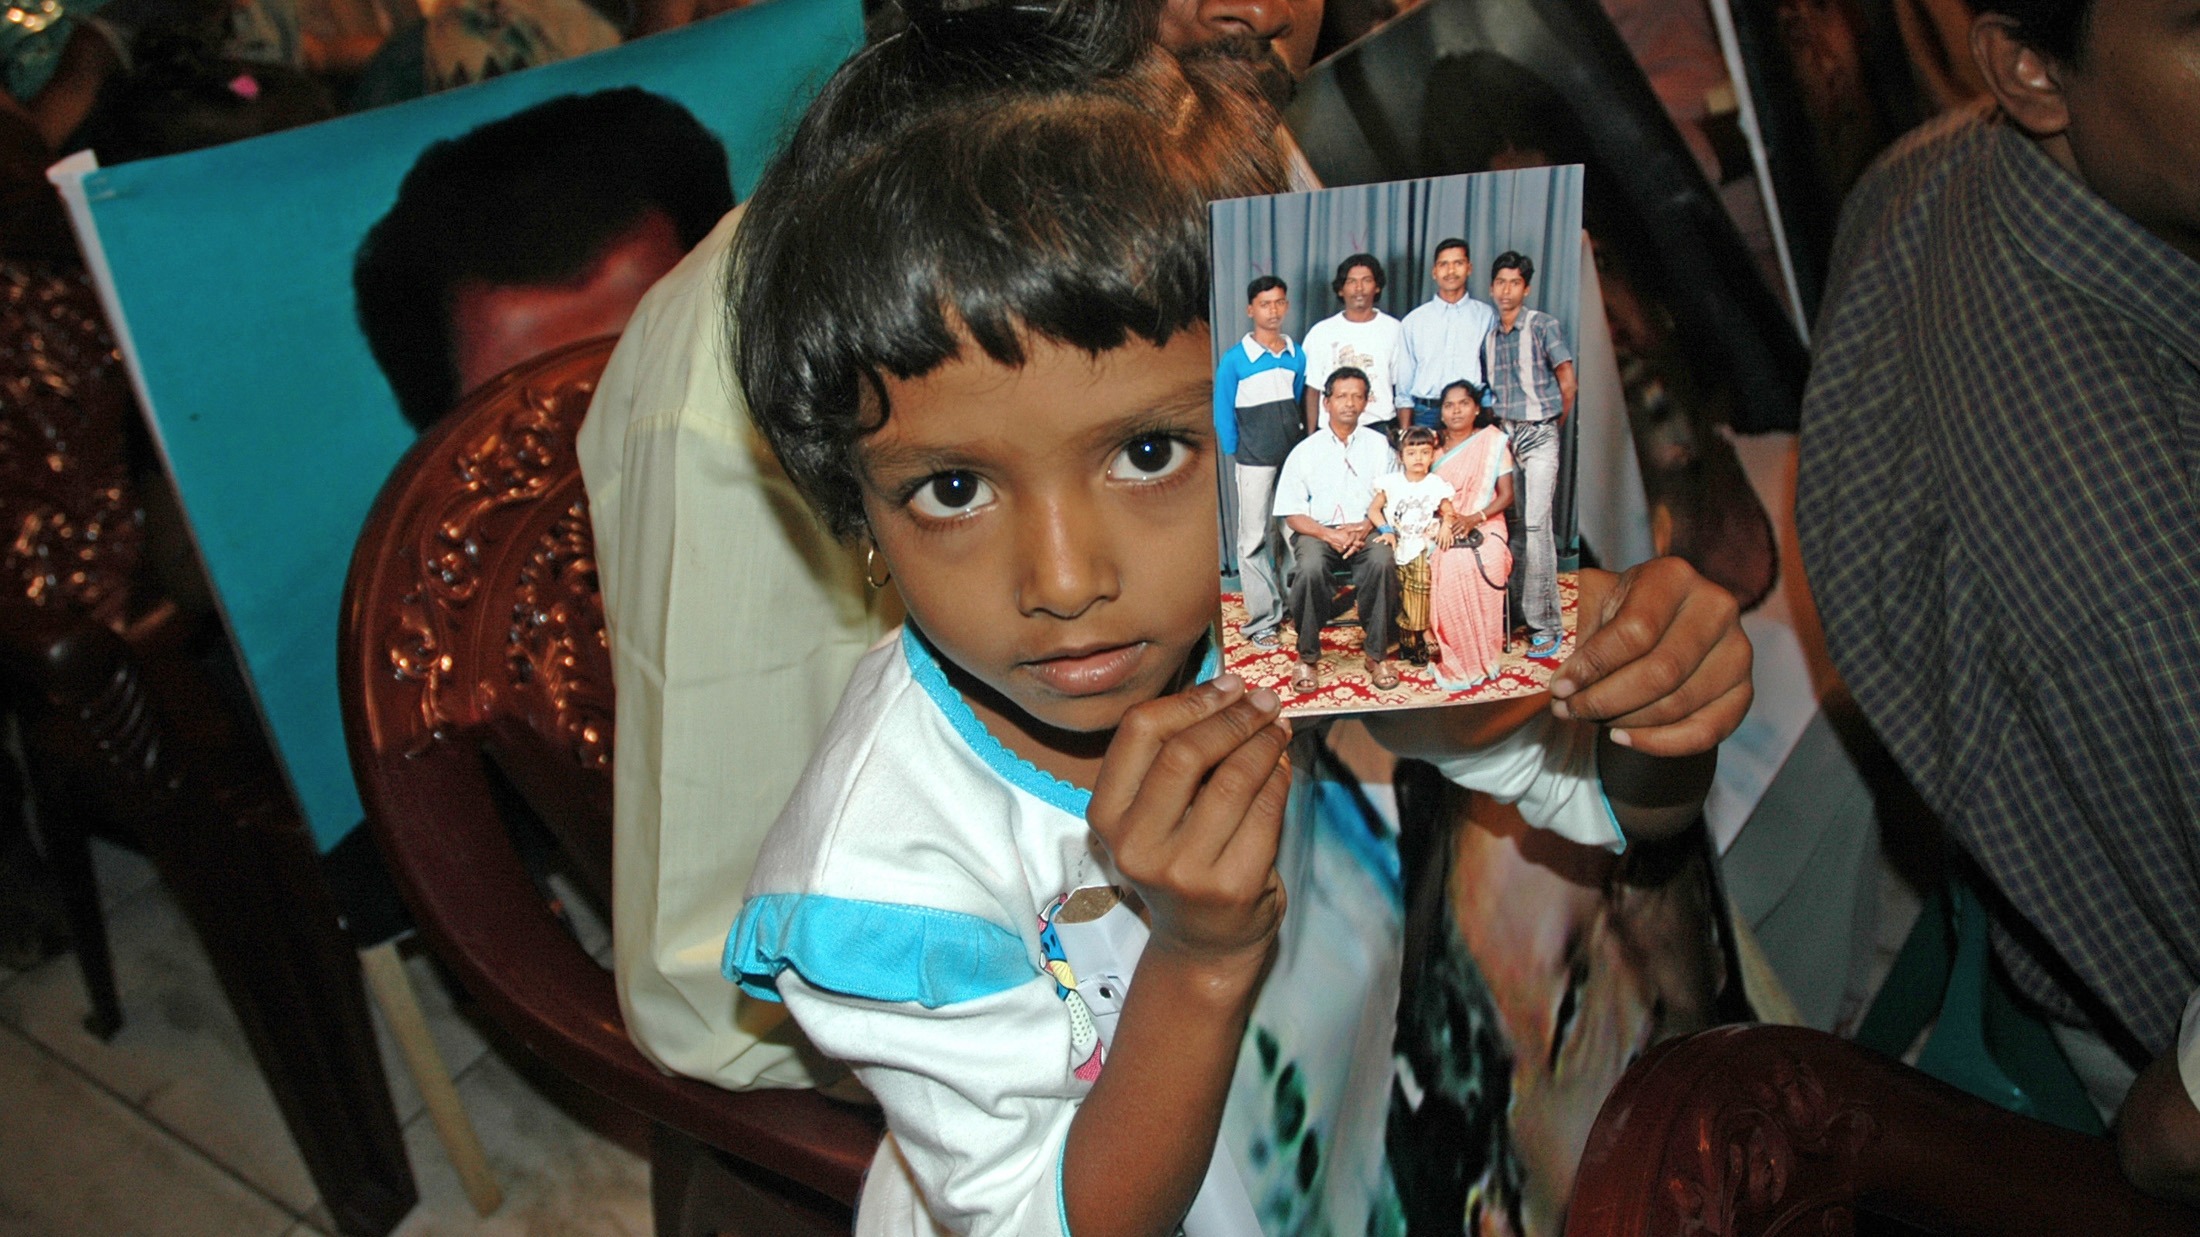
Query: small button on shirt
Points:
[1333, 481]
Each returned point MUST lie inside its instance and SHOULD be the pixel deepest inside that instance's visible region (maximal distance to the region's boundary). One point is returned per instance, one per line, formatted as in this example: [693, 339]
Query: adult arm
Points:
[2158, 1131]
[1308, 526]
[667, 454]
[62, 105]
[1567, 388]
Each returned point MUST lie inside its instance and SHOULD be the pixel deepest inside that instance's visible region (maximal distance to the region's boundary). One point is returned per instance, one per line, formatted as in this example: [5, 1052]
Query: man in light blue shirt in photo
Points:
[1442, 340]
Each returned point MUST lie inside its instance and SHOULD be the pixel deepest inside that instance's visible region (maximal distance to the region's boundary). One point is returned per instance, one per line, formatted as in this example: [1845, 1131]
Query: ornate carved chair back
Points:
[483, 614]
[74, 530]
[472, 663]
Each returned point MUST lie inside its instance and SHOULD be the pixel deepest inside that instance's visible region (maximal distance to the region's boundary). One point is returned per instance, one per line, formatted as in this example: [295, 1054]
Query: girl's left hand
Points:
[1661, 660]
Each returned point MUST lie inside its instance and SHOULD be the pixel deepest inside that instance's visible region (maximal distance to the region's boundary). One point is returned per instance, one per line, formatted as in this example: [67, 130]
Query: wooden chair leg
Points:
[69, 857]
[393, 991]
[695, 1191]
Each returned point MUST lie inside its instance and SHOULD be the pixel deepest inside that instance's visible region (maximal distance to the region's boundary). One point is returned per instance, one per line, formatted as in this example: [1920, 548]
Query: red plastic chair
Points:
[473, 654]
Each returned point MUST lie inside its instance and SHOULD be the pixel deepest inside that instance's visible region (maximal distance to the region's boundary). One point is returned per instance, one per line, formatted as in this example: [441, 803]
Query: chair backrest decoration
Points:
[472, 662]
[69, 514]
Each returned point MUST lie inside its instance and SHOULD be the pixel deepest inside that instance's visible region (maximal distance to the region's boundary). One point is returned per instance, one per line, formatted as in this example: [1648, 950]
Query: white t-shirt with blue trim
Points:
[900, 908]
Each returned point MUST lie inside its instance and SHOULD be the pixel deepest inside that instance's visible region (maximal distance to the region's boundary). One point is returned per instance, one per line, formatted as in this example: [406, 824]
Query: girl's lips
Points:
[1088, 674]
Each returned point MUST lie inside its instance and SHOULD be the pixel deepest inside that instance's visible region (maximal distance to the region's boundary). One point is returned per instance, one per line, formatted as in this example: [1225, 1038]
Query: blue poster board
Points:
[230, 275]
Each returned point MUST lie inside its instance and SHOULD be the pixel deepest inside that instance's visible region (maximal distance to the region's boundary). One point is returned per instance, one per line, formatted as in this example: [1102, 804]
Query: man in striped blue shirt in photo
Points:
[1257, 422]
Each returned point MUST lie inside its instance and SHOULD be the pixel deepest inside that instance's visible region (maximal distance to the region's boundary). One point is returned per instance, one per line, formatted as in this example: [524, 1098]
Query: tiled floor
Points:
[169, 1130]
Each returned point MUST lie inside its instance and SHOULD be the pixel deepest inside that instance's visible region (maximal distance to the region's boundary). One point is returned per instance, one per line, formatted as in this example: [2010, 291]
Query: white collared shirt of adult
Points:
[1439, 343]
[1333, 481]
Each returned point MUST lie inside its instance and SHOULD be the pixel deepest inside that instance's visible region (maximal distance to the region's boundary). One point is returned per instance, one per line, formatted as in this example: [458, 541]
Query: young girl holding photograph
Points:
[972, 301]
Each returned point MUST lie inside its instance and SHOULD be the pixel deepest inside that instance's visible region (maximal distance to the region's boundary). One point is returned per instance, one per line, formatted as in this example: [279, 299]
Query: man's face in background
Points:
[1276, 35]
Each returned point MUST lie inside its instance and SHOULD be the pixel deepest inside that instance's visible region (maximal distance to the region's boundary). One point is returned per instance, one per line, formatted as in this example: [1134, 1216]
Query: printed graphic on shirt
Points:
[1084, 1033]
[1319, 606]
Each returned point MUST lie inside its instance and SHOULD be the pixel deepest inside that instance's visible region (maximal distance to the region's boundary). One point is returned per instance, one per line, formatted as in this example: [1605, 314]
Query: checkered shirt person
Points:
[1522, 366]
[1996, 501]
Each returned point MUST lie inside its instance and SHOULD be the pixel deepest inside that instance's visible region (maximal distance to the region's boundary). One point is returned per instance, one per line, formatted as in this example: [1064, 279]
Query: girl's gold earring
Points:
[872, 562]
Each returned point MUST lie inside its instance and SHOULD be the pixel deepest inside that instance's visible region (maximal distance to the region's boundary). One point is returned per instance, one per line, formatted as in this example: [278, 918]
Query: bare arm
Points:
[67, 98]
[1564, 371]
[2158, 1133]
[1308, 526]
[1313, 410]
[1190, 804]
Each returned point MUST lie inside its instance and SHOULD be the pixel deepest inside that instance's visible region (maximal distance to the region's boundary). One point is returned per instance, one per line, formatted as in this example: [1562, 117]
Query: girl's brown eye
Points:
[951, 494]
[1149, 457]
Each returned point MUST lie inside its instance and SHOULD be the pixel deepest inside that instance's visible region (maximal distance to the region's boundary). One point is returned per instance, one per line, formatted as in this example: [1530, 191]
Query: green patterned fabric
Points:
[1996, 503]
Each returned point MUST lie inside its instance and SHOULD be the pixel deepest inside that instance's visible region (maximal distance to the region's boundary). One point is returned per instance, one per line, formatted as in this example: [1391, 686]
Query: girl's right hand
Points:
[1190, 802]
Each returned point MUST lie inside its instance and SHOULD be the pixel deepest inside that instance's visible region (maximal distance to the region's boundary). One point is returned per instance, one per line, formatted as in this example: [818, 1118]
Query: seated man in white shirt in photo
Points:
[1322, 497]
[1360, 336]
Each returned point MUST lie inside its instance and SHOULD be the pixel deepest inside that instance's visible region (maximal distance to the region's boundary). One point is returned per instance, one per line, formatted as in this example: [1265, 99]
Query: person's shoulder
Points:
[673, 347]
[1911, 183]
[871, 747]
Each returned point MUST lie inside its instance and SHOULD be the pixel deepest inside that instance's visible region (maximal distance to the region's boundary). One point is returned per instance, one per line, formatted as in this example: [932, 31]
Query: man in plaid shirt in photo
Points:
[1531, 375]
[1996, 502]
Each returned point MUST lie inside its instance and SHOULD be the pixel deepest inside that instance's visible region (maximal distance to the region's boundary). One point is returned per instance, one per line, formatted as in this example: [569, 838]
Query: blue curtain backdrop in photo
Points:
[1302, 236]
[232, 268]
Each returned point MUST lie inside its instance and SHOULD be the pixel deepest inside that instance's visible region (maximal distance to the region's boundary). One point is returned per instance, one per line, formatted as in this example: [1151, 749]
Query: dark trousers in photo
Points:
[1314, 593]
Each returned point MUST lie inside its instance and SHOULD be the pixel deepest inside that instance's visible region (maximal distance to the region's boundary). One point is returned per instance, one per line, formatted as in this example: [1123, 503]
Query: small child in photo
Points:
[1412, 508]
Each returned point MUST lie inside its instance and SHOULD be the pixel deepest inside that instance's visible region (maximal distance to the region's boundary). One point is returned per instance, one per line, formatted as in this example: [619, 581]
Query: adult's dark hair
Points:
[987, 176]
[1329, 387]
[2055, 27]
[1264, 283]
[531, 199]
[1451, 242]
[1513, 260]
[1344, 272]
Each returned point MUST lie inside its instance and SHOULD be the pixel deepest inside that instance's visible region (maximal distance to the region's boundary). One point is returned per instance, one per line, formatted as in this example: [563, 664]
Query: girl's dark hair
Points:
[1418, 436]
[988, 175]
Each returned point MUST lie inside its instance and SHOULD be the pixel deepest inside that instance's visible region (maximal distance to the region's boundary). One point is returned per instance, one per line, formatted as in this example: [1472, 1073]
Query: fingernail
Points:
[1563, 688]
[1560, 711]
[1623, 737]
[1263, 699]
[1226, 684]
[1283, 723]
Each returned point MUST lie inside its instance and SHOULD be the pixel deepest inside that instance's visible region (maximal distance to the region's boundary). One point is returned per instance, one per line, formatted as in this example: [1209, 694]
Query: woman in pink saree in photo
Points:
[1467, 586]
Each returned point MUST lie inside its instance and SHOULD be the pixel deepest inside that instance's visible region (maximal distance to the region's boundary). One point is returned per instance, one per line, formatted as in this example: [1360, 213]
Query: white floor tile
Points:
[121, 873]
[180, 1054]
[559, 1178]
[77, 1161]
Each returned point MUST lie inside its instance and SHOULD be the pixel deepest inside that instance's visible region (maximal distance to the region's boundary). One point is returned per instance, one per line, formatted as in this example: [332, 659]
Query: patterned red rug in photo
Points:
[1345, 687]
